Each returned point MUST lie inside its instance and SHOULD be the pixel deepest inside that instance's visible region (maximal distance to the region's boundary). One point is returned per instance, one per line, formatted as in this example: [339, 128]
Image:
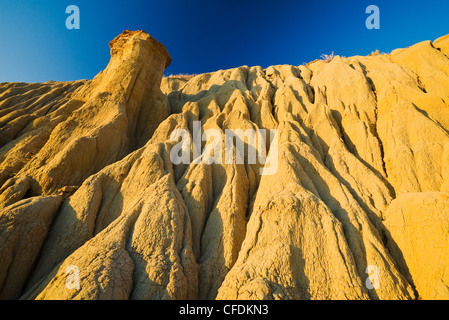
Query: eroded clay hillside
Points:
[87, 181]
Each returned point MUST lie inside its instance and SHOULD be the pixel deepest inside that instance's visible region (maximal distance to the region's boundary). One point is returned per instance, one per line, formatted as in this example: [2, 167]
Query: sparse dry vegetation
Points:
[181, 76]
[328, 57]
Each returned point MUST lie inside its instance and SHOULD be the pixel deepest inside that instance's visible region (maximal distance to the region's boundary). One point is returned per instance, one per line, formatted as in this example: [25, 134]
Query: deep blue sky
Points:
[205, 35]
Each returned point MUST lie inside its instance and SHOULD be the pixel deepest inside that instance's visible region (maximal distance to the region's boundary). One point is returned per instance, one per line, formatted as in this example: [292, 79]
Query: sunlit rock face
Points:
[92, 205]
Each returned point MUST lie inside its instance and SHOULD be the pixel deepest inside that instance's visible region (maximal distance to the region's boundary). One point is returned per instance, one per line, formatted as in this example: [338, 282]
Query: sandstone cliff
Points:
[362, 181]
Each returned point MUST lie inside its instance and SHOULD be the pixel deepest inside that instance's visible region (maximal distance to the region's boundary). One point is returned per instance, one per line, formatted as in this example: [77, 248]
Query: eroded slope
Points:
[363, 149]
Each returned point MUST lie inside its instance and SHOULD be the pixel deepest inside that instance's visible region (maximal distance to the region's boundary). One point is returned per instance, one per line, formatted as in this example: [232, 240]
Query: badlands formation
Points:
[93, 207]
